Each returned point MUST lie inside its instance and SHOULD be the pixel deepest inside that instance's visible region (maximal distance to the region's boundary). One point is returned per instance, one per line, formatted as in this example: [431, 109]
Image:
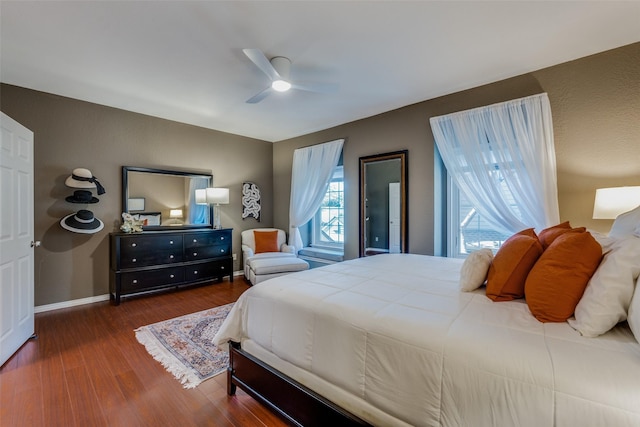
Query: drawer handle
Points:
[133, 245]
[195, 271]
[222, 238]
[135, 281]
[221, 251]
[195, 240]
[170, 256]
[134, 260]
[195, 254]
[222, 268]
[171, 276]
[171, 242]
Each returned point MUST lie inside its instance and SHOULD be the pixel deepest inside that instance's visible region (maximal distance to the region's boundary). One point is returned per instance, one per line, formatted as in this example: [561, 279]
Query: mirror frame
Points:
[125, 194]
[404, 180]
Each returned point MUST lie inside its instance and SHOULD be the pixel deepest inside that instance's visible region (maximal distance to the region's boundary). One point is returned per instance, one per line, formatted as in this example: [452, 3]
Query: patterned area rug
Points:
[183, 345]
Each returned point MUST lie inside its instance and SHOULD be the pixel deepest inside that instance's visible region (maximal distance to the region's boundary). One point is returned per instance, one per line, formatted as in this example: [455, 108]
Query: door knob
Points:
[35, 244]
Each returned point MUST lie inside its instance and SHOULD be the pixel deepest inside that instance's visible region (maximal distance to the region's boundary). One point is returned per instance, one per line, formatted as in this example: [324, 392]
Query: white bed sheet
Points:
[394, 333]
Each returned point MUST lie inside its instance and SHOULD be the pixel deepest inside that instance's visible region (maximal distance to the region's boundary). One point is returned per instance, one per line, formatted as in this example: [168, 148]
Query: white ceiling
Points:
[183, 60]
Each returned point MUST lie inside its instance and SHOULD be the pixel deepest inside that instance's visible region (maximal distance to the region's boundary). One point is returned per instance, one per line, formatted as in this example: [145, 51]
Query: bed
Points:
[392, 340]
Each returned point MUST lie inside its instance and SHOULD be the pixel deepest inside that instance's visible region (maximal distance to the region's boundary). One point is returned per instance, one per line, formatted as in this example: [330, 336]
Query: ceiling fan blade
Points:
[259, 96]
[316, 87]
[257, 57]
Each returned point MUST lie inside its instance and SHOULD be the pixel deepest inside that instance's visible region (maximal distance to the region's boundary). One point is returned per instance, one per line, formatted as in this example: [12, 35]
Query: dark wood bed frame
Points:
[295, 403]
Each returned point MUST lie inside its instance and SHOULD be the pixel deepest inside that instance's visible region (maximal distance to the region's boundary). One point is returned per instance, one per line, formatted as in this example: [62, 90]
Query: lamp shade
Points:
[201, 196]
[611, 202]
[175, 213]
[218, 196]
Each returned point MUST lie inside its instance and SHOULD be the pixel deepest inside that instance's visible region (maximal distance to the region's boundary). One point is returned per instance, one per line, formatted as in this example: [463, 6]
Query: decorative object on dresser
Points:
[155, 260]
[250, 201]
[130, 224]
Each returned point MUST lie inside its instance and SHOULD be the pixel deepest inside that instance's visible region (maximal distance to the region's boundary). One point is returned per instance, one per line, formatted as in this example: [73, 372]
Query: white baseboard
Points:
[88, 300]
[70, 303]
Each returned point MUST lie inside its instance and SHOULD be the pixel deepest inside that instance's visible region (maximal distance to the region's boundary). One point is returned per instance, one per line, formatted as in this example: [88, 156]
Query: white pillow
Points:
[606, 299]
[604, 240]
[626, 224]
[474, 269]
[634, 313]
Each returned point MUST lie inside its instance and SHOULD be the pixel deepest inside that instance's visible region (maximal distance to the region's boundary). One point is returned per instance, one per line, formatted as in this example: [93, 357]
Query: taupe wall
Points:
[71, 134]
[595, 103]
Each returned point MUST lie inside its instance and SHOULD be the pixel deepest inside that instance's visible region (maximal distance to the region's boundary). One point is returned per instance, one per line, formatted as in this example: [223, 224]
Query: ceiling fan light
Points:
[281, 85]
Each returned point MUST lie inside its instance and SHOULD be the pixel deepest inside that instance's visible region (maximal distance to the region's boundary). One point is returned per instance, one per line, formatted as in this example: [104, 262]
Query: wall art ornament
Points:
[250, 201]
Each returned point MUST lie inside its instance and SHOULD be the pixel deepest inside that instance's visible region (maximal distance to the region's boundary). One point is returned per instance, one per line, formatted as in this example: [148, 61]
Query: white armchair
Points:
[263, 265]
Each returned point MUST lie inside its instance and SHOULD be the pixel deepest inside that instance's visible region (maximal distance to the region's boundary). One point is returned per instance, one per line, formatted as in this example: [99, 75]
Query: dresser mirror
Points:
[383, 203]
[165, 199]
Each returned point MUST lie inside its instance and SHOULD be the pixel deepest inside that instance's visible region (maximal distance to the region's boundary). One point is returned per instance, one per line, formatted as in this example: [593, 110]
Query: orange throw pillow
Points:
[558, 280]
[510, 266]
[266, 241]
[548, 235]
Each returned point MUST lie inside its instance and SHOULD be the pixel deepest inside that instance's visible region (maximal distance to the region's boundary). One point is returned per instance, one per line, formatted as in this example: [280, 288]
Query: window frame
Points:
[316, 242]
[451, 220]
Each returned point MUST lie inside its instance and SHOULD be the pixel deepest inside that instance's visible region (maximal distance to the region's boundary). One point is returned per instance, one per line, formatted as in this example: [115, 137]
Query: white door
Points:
[16, 236]
[394, 217]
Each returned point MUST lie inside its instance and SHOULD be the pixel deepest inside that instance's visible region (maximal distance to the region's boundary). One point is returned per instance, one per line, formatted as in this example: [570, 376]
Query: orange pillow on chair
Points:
[511, 264]
[558, 280]
[266, 241]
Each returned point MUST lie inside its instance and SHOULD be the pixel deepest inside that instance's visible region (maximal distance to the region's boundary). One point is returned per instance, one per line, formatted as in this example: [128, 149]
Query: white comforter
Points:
[392, 339]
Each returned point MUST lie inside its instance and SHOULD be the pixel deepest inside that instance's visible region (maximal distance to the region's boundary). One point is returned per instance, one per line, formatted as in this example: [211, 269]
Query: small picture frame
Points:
[135, 204]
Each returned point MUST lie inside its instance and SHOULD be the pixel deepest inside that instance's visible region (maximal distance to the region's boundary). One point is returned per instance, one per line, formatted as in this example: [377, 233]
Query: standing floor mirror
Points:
[383, 203]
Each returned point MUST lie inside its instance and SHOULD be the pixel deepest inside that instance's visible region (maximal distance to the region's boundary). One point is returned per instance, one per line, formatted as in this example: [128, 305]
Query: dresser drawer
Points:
[195, 240]
[142, 280]
[205, 252]
[134, 245]
[207, 270]
[150, 257]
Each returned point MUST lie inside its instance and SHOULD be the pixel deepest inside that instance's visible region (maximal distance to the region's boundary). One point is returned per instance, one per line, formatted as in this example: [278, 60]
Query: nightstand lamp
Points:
[217, 197]
[176, 216]
[611, 202]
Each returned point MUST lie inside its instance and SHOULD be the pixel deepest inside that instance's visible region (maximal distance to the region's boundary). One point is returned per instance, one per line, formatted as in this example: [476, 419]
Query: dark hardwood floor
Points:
[87, 369]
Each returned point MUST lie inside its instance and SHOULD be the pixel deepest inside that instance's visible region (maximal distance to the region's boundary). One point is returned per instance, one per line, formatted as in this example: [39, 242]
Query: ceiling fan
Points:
[277, 69]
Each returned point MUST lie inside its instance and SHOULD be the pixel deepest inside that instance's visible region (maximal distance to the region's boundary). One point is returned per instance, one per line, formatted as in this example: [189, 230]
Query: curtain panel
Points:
[197, 213]
[502, 158]
[312, 170]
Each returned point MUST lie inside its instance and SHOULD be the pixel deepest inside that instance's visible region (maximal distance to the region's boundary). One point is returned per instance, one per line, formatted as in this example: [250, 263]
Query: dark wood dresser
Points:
[151, 260]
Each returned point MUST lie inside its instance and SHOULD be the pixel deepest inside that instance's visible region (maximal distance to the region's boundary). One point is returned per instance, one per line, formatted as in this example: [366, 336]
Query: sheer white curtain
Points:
[312, 170]
[502, 158]
[198, 214]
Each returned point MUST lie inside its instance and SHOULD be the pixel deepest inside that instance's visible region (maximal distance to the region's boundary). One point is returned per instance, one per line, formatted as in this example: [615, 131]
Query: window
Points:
[468, 231]
[503, 157]
[328, 223]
